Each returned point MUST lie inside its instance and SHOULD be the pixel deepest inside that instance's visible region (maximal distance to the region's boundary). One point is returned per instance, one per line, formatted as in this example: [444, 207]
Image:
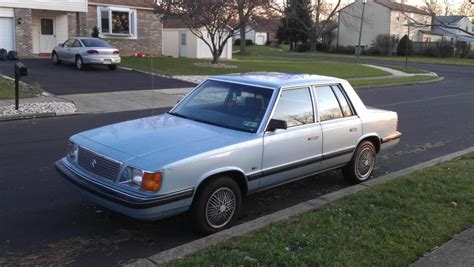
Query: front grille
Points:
[97, 164]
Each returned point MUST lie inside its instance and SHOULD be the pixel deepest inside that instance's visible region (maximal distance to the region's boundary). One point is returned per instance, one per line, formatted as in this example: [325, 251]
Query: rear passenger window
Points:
[295, 107]
[345, 106]
[328, 105]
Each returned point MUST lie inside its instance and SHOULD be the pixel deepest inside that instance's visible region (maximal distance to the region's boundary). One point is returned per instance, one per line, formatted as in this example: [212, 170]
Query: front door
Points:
[296, 151]
[183, 44]
[47, 35]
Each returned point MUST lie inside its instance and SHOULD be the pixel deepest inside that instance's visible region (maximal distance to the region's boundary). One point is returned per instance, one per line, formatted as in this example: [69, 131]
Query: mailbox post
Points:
[20, 70]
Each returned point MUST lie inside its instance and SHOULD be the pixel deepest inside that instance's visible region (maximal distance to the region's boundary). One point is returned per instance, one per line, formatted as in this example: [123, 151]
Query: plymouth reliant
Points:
[230, 136]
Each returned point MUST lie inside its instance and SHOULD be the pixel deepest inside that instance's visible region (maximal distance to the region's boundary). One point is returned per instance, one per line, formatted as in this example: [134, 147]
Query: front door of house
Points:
[47, 35]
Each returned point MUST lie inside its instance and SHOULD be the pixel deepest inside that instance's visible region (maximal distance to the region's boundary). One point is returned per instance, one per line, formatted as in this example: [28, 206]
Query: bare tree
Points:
[466, 9]
[439, 7]
[209, 20]
[246, 9]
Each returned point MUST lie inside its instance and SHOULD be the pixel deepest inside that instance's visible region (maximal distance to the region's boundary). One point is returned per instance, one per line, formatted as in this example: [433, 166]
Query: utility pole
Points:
[359, 49]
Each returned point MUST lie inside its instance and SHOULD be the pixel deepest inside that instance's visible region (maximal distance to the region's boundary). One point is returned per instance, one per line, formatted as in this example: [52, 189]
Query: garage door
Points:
[6, 34]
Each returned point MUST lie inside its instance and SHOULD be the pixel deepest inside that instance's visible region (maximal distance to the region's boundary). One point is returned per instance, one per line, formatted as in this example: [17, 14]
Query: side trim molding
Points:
[299, 164]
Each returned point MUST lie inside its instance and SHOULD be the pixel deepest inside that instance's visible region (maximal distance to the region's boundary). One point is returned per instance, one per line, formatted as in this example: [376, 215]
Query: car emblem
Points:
[93, 163]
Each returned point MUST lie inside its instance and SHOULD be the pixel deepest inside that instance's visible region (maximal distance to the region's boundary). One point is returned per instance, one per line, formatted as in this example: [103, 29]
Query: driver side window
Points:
[68, 43]
[76, 44]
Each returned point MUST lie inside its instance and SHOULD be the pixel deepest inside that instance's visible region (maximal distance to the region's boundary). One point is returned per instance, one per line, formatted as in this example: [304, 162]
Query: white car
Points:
[231, 136]
[86, 51]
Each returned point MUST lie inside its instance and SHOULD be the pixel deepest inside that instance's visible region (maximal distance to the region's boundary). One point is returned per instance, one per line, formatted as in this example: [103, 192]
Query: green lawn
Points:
[392, 224]
[254, 51]
[390, 81]
[7, 90]
[186, 66]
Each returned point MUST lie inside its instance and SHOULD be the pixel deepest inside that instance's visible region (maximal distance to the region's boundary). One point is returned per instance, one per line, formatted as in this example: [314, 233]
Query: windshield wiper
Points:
[177, 114]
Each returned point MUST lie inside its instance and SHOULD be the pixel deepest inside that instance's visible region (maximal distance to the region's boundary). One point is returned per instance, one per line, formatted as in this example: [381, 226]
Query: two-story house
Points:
[454, 28]
[36, 27]
[380, 17]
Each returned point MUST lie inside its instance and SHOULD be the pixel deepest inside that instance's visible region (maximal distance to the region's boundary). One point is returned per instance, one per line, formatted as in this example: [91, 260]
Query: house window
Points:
[115, 21]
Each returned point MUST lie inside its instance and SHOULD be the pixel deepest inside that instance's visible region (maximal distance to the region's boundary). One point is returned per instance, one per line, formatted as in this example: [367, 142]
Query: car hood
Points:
[171, 136]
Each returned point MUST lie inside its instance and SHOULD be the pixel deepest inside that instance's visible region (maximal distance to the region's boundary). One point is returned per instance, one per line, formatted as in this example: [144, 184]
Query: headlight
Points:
[72, 151]
[139, 179]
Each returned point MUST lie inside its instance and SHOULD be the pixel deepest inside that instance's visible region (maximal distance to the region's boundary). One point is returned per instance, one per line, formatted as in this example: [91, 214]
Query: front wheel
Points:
[55, 58]
[362, 164]
[216, 205]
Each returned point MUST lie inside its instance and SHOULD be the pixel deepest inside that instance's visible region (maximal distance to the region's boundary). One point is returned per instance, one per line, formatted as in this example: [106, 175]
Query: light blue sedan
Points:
[231, 136]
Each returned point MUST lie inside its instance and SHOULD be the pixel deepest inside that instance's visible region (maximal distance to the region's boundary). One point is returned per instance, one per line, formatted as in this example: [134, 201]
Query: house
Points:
[179, 41]
[380, 17]
[454, 29]
[256, 34]
[36, 27]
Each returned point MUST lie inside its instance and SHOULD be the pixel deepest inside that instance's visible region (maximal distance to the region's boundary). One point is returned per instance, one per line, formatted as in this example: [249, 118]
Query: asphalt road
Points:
[45, 222]
[64, 79]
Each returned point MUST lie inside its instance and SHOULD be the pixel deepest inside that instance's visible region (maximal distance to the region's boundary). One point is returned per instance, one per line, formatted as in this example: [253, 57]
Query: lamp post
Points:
[359, 50]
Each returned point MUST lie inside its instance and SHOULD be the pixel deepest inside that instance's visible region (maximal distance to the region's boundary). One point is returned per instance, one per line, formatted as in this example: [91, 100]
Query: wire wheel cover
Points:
[365, 162]
[220, 207]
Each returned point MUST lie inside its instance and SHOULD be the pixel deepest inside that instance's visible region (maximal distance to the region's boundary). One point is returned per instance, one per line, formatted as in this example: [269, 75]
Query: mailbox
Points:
[20, 69]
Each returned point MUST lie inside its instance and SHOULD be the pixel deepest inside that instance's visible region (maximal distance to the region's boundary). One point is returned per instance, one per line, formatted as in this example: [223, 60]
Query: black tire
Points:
[55, 59]
[201, 207]
[79, 63]
[365, 155]
[112, 67]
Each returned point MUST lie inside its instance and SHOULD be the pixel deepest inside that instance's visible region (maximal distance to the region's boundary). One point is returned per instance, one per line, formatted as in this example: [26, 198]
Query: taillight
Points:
[116, 52]
[93, 52]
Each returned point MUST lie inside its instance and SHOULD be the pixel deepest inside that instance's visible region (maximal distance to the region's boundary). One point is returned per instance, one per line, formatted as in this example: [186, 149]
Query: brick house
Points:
[35, 27]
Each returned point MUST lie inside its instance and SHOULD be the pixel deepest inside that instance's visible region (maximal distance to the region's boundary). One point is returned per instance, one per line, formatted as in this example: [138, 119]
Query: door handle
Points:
[312, 138]
[353, 130]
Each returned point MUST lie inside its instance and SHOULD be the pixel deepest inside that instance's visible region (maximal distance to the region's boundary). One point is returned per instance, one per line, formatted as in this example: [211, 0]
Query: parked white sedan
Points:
[86, 51]
[231, 136]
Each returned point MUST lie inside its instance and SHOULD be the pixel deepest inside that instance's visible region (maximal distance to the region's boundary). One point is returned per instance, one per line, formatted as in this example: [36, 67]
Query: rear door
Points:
[340, 125]
[296, 151]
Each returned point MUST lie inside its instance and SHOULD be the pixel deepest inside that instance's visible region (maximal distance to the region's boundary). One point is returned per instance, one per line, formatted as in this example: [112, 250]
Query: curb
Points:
[250, 226]
[399, 84]
[37, 116]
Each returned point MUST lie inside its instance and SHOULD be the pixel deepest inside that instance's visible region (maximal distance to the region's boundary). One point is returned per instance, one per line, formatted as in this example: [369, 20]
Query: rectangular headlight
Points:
[141, 180]
[72, 152]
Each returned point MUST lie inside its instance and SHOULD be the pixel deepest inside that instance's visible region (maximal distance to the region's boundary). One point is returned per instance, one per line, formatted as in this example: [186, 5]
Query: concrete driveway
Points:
[64, 79]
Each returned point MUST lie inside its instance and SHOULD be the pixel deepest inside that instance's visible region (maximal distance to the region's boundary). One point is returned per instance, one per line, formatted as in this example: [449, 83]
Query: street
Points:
[45, 222]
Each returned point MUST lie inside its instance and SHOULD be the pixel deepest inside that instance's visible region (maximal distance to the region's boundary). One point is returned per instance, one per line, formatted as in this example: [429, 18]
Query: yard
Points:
[188, 66]
[7, 90]
[391, 224]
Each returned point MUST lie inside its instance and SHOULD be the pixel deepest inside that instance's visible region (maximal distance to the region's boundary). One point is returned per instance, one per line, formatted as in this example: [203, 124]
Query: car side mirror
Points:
[275, 124]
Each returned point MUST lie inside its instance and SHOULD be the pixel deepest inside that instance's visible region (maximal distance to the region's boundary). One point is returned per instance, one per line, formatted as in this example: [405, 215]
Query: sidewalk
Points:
[101, 102]
[458, 251]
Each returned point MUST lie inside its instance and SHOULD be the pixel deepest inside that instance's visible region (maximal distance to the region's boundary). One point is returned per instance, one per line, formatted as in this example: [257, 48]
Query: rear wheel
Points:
[79, 63]
[55, 59]
[216, 205]
[362, 164]
[112, 67]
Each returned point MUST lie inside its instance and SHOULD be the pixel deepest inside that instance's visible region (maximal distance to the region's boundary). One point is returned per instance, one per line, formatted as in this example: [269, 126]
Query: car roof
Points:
[276, 80]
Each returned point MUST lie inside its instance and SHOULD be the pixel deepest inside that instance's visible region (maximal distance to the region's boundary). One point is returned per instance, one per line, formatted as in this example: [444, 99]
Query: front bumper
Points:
[139, 207]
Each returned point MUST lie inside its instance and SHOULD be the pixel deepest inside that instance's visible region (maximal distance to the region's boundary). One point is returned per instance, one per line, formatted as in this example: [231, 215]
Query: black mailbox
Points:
[20, 69]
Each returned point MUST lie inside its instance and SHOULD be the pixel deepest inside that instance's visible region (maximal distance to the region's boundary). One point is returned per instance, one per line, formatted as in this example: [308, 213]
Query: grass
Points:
[7, 89]
[391, 81]
[283, 51]
[392, 224]
[186, 66]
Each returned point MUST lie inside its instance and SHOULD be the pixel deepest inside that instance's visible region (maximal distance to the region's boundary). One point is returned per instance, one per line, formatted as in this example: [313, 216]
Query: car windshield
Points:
[230, 105]
[94, 42]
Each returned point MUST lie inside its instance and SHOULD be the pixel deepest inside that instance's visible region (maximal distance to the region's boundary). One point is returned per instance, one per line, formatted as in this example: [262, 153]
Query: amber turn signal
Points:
[151, 182]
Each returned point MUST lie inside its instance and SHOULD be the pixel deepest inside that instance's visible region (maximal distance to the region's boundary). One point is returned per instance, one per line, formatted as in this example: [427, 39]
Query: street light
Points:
[359, 50]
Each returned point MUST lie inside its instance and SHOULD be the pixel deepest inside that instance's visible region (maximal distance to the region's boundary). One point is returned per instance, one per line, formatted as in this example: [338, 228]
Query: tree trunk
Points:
[215, 58]
[242, 39]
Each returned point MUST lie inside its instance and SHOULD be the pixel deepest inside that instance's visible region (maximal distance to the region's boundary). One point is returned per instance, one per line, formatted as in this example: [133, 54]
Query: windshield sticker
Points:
[250, 124]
